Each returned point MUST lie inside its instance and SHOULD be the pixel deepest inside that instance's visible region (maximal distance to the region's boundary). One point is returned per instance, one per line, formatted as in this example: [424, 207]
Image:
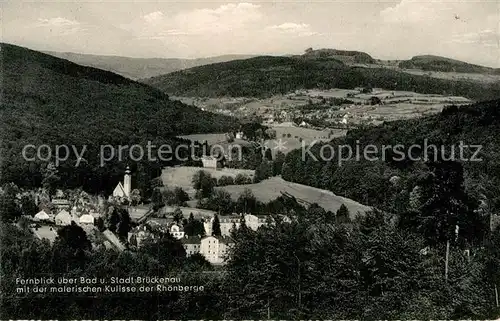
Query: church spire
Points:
[127, 182]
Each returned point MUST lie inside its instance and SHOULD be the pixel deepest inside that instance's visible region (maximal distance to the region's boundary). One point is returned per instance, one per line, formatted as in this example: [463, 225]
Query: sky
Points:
[460, 29]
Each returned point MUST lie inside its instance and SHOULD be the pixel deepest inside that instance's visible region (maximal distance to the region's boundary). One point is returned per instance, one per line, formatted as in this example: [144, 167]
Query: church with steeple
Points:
[122, 190]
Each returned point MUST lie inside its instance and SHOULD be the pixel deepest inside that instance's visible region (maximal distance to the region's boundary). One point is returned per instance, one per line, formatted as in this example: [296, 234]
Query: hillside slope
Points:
[272, 188]
[47, 100]
[265, 76]
[437, 63]
[387, 181]
[137, 68]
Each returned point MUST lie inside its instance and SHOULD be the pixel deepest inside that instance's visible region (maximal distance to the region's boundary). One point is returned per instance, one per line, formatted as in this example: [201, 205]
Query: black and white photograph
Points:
[250, 160]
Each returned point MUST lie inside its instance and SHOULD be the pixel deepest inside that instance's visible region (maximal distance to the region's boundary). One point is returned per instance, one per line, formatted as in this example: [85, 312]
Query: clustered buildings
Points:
[213, 248]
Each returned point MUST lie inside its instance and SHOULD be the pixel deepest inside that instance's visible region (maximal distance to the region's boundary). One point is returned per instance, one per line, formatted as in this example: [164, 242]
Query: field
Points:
[182, 176]
[210, 138]
[395, 105]
[271, 188]
[299, 136]
[449, 75]
[198, 213]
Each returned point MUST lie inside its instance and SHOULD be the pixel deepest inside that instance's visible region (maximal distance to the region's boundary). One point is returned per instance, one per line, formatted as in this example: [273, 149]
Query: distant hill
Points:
[264, 76]
[436, 63]
[138, 68]
[47, 100]
[346, 56]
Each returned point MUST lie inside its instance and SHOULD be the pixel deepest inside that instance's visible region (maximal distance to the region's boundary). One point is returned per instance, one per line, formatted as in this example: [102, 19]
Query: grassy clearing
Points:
[271, 188]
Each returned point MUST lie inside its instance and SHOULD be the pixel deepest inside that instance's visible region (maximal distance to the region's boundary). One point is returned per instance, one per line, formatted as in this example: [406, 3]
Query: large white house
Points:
[123, 190]
[227, 223]
[215, 249]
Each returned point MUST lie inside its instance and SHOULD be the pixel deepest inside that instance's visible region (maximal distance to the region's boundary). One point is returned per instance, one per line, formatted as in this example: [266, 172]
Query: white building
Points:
[176, 231]
[86, 219]
[209, 162]
[215, 249]
[123, 190]
[191, 245]
[254, 221]
[63, 218]
[42, 216]
[227, 224]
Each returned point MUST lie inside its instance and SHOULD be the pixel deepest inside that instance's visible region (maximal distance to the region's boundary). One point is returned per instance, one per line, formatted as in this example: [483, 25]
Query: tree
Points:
[203, 183]
[178, 215]
[221, 202]
[263, 171]
[118, 221]
[9, 210]
[216, 231]
[51, 179]
[225, 180]
[70, 248]
[447, 205]
[167, 250]
[194, 227]
[181, 197]
[278, 163]
[28, 206]
[242, 179]
[342, 215]
[247, 202]
[268, 154]
[157, 199]
[135, 197]
[124, 224]
[270, 133]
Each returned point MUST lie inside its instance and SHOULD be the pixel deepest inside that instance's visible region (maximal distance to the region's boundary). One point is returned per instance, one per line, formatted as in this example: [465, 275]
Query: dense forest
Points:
[265, 76]
[319, 266]
[389, 183]
[47, 100]
[436, 63]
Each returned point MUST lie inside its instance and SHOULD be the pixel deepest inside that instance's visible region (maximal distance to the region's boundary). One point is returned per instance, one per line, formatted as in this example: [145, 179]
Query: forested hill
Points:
[388, 183]
[347, 56]
[265, 76]
[436, 63]
[47, 100]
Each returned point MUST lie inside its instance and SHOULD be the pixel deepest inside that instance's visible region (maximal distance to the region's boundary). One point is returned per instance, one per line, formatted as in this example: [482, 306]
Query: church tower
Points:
[127, 182]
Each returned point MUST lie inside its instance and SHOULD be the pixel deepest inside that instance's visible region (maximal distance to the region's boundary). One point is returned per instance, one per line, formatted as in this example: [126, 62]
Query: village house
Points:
[177, 231]
[215, 249]
[191, 245]
[61, 204]
[255, 221]
[64, 218]
[209, 162]
[42, 216]
[87, 219]
[227, 223]
[139, 234]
